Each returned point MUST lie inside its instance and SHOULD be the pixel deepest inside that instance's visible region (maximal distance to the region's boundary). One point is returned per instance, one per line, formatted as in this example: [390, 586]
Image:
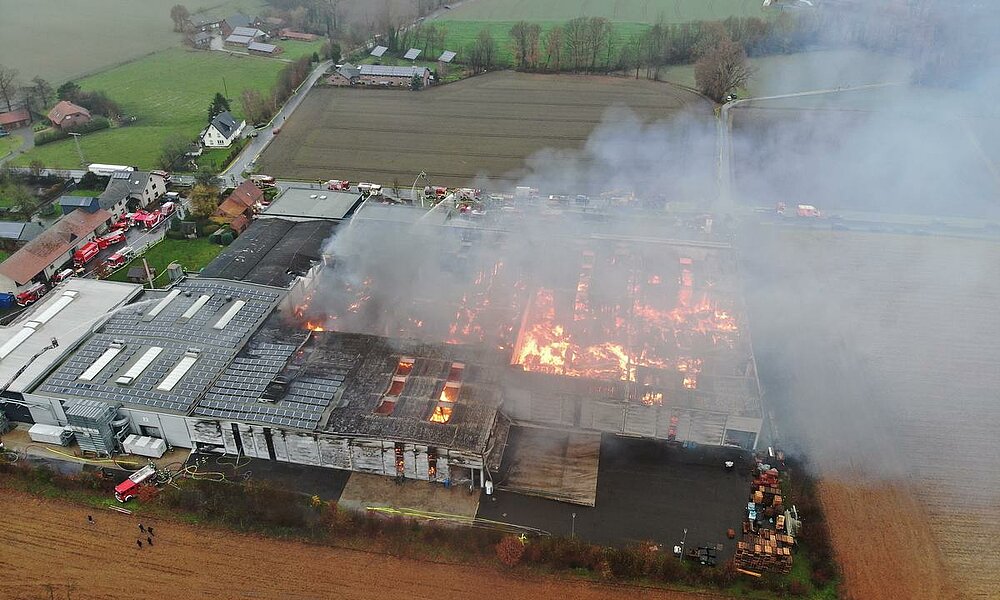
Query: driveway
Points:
[27, 143]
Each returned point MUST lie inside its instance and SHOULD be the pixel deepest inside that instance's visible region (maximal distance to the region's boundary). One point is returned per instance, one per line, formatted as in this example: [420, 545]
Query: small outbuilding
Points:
[15, 119]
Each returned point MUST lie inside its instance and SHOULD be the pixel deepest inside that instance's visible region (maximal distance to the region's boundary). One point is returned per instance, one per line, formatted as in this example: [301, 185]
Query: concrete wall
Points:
[172, 429]
[45, 410]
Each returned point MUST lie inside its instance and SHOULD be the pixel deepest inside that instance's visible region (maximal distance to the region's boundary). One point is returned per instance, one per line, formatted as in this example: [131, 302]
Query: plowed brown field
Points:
[50, 551]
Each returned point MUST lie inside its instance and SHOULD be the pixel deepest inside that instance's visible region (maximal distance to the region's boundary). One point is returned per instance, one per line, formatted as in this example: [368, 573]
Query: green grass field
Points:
[169, 92]
[625, 11]
[294, 49]
[462, 33]
[63, 39]
[9, 143]
[193, 255]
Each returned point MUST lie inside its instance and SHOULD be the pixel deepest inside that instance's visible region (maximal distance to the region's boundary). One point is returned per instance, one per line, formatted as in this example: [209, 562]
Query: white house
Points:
[222, 131]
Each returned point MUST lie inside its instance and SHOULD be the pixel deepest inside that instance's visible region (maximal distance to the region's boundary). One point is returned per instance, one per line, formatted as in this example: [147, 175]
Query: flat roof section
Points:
[312, 203]
[80, 300]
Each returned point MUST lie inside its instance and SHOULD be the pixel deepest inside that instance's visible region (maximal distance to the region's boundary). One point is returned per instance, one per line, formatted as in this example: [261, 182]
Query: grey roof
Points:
[239, 20]
[336, 380]
[242, 40]
[259, 47]
[412, 54]
[92, 299]
[447, 56]
[139, 329]
[312, 203]
[201, 36]
[388, 71]
[349, 71]
[378, 50]
[225, 123]
[250, 32]
[272, 252]
[21, 232]
[78, 201]
[123, 184]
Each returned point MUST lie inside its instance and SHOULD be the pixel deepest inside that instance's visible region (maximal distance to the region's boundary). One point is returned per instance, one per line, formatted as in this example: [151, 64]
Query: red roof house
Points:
[66, 115]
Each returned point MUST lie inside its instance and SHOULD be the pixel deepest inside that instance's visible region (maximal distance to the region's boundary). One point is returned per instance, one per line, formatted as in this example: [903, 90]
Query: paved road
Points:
[257, 145]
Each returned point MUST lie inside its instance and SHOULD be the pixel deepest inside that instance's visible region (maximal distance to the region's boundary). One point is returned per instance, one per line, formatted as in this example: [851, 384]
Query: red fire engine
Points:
[147, 220]
[85, 254]
[115, 237]
[31, 295]
[126, 490]
[338, 185]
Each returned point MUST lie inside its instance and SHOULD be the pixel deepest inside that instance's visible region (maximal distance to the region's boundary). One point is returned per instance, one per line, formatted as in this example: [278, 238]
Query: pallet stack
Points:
[765, 551]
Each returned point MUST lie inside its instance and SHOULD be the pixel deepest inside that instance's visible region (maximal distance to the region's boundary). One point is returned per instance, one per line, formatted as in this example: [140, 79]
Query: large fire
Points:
[639, 326]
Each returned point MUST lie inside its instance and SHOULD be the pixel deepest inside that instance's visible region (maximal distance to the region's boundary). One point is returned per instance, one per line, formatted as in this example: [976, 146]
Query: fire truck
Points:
[118, 259]
[807, 211]
[126, 490]
[31, 295]
[115, 237]
[147, 220]
[63, 275]
[168, 208]
[85, 254]
[338, 185]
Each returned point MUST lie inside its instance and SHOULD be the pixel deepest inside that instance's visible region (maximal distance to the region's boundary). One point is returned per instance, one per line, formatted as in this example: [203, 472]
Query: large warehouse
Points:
[633, 336]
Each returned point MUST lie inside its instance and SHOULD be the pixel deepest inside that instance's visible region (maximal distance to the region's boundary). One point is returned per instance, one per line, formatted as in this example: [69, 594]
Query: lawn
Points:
[631, 11]
[63, 39]
[294, 49]
[9, 143]
[85, 193]
[193, 255]
[169, 92]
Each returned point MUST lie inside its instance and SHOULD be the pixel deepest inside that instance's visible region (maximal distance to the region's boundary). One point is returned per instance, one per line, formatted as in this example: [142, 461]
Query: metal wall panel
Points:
[367, 456]
[641, 420]
[205, 431]
[302, 448]
[335, 452]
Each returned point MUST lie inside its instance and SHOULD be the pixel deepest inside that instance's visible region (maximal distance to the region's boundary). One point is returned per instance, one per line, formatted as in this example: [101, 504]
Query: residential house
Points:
[14, 235]
[47, 253]
[15, 119]
[263, 49]
[66, 115]
[222, 131]
[201, 40]
[346, 74]
[203, 23]
[383, 75]
[128, 191]
[231, 23]
[238, 209]
[288, 34]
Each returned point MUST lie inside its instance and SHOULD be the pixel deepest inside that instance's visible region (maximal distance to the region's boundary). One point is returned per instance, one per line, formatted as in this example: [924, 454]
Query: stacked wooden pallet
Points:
[765, 551]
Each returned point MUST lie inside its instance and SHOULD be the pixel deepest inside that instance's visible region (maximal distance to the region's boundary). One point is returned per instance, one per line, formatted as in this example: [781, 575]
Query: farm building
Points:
[392, 76]
[230, 24]
[288, 34]
[201, 40]
[222, 131]
[15, 119]
[44, 256]
[13, 235]
[66, 115]
[243, 36]
[262, 49]
[346, 74]
[129, 191]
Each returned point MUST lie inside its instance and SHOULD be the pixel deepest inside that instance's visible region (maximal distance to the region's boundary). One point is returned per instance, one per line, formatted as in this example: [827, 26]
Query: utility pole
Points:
[149, 275]
[76, 139]
[683, 543]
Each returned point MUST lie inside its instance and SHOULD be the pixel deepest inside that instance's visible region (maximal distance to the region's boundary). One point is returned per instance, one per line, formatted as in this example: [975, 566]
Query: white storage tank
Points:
[50, 434]
[145, 446]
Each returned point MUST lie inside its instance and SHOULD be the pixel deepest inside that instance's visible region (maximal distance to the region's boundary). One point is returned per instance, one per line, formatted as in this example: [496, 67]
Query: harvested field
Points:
[51, 552]
[879, 353]
[486, 125]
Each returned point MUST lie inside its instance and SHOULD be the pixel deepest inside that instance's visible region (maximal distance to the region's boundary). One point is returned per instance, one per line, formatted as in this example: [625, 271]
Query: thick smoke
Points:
[863, 157]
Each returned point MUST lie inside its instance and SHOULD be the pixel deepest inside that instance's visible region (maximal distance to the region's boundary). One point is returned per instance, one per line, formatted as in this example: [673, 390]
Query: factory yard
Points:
[487, 125]
[879, 353]
[205, 562]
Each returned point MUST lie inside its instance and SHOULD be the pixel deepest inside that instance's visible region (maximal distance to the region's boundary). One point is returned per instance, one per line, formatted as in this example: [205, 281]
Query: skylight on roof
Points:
[193, 310]
[56, 307]
[102, 361]
[183, 366]
[162, 304]
[140, 365]
[226, 318]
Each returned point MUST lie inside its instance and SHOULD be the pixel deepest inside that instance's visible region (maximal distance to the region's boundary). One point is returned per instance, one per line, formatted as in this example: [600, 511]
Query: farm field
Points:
[187, 562]
[878, 353]
[485, 126]
[637, 11]
[175, 102]
[72, 48]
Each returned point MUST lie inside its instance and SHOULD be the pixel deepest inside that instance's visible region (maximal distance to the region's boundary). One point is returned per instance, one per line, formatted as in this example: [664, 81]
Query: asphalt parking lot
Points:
[646, 490]
[326, 483]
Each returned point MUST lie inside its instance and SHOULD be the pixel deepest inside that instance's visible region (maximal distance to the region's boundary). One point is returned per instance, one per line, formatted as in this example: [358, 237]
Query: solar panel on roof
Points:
[447, 56]
[412, 54]
[379, 50]
[121, 175]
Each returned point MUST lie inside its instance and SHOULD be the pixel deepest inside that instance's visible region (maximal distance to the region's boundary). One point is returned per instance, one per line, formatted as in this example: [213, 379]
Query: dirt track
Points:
[46, 542]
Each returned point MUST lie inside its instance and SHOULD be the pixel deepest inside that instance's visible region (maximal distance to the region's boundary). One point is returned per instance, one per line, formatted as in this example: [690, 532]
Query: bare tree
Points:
[553, 48]
[38, 94]
[180, 15]
[596, 38]
[8, 86]
[722, 69]
[481, 54]
[524, 38]
[575, 34]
